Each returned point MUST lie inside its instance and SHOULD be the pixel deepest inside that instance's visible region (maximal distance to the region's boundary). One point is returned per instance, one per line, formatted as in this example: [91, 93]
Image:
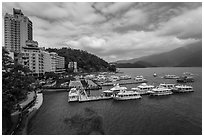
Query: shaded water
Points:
[174, 114]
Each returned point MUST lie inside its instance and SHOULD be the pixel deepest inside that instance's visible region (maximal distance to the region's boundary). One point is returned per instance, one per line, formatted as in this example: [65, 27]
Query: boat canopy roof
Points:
[127, 93]
[73, 92]
[139, 77]
[161, 89]
[164, 84]
[107, 91]
[183, 86]
[75, 84]
[117, 87]
[145, 85]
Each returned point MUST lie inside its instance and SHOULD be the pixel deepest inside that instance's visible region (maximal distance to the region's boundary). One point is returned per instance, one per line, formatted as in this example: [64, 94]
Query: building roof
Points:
[75, 84]
[91, 83]
[117, 87]
[107, 91]
[31, 48]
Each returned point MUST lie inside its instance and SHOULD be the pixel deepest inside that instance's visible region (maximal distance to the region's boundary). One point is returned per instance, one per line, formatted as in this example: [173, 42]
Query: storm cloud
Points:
[114, 30]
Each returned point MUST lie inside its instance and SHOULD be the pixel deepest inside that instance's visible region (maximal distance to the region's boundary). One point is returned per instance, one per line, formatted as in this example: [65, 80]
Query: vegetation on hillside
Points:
[86, 62]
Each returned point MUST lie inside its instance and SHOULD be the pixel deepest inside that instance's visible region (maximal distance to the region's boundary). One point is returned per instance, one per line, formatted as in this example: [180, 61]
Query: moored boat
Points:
[127, 95]
[125, 77]
[171, 77]
[140, 79]
[73, 95]
[160, 91]
[143, 88]
[188, 73]
[185, 79]
[165, 85]
[183, 89]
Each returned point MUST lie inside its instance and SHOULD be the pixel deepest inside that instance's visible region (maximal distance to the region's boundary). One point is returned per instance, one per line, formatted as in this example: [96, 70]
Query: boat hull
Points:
[126, 98]
[143, 92]
[73, 100]
[161, 94]
[182, 91]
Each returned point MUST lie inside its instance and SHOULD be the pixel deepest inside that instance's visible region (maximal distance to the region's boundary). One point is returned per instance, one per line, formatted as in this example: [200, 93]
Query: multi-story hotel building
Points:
[53, 56]
[60, 64]
[40, 61]
[17, 30]
[57, 62]
[47, 61]
[33, 58]
[73, 66]
[18, 37]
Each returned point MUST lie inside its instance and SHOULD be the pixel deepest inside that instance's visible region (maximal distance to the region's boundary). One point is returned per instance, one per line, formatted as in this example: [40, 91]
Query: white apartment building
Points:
[53, 56]
[40, 61]
[57, 62]
[17, 30]
[73, 66]
[60, 64]
[47, 61]
[33, 58]
[18, 37]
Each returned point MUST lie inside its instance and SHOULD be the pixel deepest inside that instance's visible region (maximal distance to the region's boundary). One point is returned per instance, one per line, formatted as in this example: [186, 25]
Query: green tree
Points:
[15, 85]
[85, 61]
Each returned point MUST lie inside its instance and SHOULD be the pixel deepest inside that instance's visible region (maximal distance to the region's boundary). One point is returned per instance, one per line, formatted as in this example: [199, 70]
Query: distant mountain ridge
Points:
[188, 56]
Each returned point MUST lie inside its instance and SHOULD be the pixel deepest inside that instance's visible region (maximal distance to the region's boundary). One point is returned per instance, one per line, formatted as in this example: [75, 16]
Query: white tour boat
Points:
[127, 95]
[169, 86]
[115, 90]
[73, 95]
[160, 91]
[143, 88]
[183, 89]
[188, 73]
[125, 77]
[140, 79]
[171, 77]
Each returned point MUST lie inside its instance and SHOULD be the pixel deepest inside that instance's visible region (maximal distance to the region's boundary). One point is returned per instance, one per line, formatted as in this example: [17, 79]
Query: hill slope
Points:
[188, 56]
[85, 61]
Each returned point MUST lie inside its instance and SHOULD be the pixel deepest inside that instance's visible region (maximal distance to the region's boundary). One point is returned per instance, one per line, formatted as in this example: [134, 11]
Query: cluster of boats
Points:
[187, 77]
[118, 92]
[121, 93]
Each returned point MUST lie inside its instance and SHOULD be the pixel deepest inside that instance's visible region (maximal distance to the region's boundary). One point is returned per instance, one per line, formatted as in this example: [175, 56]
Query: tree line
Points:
[86, 62]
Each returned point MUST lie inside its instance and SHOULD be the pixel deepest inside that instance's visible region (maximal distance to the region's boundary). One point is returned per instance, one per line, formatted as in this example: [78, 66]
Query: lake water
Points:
[167, 115]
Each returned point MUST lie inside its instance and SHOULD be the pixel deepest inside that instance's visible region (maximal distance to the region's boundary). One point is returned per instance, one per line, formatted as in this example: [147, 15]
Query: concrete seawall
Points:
[32, 111]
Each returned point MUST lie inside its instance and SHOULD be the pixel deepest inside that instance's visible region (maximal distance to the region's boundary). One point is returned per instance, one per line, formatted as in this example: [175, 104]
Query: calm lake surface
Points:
[168, 115]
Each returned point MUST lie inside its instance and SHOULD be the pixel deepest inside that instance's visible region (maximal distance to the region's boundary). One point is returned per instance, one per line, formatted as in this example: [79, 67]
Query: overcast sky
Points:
[114, 31]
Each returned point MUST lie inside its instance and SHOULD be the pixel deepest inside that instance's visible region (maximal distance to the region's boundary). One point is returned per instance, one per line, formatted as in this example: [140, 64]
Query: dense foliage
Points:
[15, 85]
[85, 61]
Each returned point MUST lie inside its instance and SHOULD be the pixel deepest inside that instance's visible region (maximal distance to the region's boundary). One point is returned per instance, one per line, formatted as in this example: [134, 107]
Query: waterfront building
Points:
[40, 61]
[18, 37]
[60, 64]
[17, 30]
[33, 58]
[53, 56]
[73, 66]
[47, 61]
